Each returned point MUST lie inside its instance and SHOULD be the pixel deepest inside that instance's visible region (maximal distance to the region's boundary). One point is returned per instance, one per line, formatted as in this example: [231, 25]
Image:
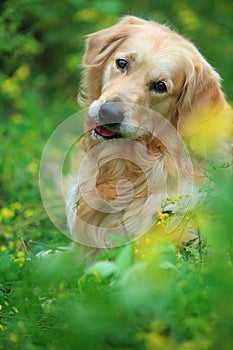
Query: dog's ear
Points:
[200, 99]
[99, 46]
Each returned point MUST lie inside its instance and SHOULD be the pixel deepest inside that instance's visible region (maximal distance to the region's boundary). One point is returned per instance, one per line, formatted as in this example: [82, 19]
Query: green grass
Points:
[152, 295]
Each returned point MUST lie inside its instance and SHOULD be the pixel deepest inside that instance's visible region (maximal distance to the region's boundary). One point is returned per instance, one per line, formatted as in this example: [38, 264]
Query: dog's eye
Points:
[160, 87]
[121, 64]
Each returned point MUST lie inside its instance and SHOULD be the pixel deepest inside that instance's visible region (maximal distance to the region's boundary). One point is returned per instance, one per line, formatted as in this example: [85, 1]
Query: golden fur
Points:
[154, 53]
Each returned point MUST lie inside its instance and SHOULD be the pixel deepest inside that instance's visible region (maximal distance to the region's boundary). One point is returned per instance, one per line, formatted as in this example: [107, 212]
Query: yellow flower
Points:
[16, 205]
[33, 167]
[20, 258]
[207, 129]
[29, 212]
[86, 15]
[155, 340]
[189, 19]
[2, 328]
[173, 200]
[162, 217]
[0, 307]
[13, 338]
[61, 295]
[96, 273]
[15, 309]
[11, 244]
[7, 213]
[2, 249]
[21, 254]
[178, 255]
[9, 87]
[22, 72]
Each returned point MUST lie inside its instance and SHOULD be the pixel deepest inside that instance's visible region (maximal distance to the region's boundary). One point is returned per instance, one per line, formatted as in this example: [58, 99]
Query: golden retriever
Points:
[147, 90]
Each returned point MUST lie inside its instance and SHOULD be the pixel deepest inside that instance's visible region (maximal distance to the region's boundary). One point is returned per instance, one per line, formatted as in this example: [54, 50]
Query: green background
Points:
[167, 301]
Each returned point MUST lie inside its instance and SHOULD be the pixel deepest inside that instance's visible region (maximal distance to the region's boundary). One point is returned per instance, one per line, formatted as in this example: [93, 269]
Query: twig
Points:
[200, 245]
[46, 246]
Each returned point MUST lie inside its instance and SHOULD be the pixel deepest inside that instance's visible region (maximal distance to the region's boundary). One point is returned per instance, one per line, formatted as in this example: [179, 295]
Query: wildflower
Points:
[162, 217]
[189, 19]
[0, 307]
[61, 295]
[22, 72]
[7, 213]
[206, 129]
[15, 309]
[29, 212]
[33, 167]
[9, 87]
[13, 338]
[16, 205]
[20, 258]
[96, 273]
[86, 15]
[155, 340]
[2, 249]
[178, 255]
[175, 199]
[11, 244]
[2, 328]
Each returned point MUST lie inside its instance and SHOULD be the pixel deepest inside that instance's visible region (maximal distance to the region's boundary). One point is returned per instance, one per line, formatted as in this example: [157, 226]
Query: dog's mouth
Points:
[104, 132]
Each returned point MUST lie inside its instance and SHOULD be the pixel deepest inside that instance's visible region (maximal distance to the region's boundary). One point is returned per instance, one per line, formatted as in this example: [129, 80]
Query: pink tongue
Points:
[104, 132]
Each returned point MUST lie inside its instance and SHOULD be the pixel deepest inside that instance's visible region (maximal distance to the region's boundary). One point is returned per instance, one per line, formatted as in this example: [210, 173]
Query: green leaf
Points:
[124, 259]
[102, 269]
[167, 265]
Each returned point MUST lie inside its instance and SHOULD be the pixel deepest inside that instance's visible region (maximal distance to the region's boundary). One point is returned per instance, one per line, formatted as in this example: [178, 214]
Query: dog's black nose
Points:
[110, 113]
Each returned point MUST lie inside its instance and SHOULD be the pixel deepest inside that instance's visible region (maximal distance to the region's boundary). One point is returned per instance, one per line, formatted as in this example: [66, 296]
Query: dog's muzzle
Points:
[110, 114]
[110, 117]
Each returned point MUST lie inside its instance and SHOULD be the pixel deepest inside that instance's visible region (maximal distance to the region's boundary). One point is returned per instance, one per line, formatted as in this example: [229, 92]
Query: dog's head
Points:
[137, 62]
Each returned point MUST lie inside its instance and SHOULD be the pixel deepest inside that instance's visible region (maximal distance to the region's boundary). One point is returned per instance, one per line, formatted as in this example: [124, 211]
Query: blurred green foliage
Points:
[168, 301]
[165, 299]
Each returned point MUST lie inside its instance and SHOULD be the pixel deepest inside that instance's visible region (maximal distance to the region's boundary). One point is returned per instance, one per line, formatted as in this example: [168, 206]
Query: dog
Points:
[149, 95]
